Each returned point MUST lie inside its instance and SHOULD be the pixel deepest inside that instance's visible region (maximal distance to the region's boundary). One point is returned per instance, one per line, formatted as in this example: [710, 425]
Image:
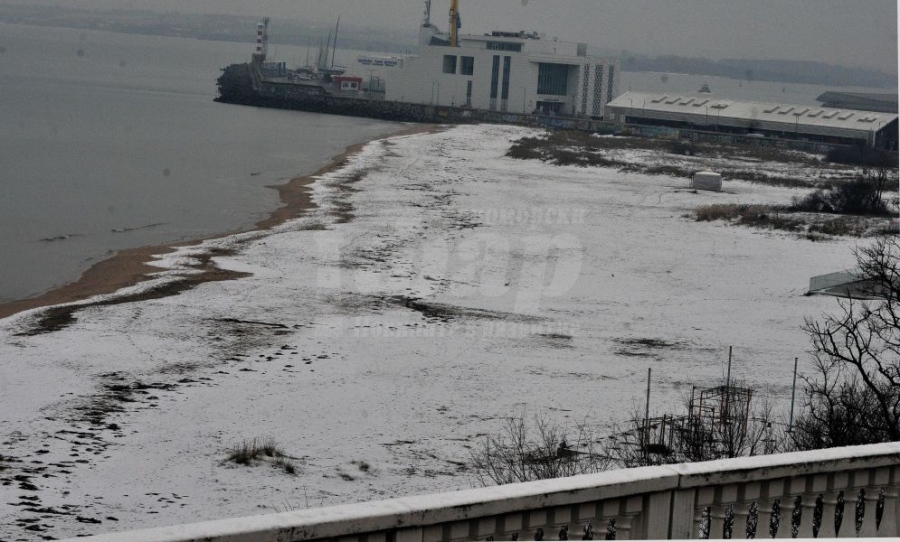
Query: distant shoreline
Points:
[131, 266]
[233, 29]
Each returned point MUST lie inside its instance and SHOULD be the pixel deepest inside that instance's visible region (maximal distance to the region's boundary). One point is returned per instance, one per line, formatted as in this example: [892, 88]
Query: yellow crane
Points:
[454, 23]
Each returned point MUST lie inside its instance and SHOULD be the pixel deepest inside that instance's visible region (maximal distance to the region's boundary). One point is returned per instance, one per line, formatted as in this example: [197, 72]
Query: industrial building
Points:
[521, 72]
[705, 112]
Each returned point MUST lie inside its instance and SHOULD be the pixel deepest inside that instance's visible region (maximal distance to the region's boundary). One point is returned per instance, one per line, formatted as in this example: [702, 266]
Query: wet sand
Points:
[129, 267]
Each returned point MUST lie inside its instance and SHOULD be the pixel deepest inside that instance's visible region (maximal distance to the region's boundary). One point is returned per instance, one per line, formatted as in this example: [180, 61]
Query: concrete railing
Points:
[844, 492]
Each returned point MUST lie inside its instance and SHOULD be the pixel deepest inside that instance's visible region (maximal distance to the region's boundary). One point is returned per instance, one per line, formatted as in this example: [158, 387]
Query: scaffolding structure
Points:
[718, 419]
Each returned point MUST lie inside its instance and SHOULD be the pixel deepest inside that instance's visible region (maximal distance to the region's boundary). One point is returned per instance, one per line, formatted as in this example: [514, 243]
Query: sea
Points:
[112, 141]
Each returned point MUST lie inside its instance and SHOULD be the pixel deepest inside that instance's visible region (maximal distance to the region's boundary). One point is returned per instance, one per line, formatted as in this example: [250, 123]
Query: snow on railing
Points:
[841, 492]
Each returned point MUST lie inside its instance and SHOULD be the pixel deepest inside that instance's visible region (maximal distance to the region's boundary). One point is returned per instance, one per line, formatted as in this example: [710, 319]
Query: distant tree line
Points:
[782, 71]
[216, 27]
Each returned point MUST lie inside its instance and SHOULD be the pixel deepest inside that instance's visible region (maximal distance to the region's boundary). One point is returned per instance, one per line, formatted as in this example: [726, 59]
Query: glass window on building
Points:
[504, 92]
[468, 65]
[495, 77]
[504, 46]
[611, 83]
[553, 79]
[449, 63]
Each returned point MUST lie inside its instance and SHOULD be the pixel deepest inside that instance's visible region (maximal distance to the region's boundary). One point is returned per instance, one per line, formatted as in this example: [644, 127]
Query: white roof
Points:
[713, 109]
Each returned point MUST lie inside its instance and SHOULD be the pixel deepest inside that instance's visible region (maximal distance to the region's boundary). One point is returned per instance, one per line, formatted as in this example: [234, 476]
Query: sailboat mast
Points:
[323, 54]
[334, 51]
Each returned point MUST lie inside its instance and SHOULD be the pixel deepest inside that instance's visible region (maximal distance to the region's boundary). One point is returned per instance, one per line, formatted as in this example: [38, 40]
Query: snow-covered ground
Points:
[467, 287]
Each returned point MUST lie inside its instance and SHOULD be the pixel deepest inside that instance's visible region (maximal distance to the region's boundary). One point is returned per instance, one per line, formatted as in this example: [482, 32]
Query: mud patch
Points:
[646, 347]
[60, 317]
[555, 340]
[446, 313]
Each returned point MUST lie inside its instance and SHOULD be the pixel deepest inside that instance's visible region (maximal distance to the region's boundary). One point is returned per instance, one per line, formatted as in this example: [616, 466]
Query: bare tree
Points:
[853, 397]
[536, 449]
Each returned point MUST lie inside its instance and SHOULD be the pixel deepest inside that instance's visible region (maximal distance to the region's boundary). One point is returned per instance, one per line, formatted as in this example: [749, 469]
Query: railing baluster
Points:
[611, 530]
[839, 513]
[860, 510]
[879, 509]
[817, 515]
[752, 520]
[796, 516]
[868, 507]
[775, 518]
[703, 533]
[728, 523]
[587, 532]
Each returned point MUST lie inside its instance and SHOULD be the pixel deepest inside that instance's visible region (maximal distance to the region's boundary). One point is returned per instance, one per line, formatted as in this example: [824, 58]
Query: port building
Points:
[518, 72]
[705, 112]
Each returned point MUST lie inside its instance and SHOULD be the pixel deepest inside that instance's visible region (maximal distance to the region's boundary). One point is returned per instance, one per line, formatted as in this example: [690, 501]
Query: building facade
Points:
[518, 72]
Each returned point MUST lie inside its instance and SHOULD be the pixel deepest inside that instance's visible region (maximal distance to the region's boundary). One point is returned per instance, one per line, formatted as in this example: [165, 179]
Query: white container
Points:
[707, 180]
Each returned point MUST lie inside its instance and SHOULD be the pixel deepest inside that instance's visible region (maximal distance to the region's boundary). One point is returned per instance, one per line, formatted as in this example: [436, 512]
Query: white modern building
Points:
[519, 72]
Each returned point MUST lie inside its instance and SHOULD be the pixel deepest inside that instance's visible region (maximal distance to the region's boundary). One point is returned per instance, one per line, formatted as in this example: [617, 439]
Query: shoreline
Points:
[131, 266]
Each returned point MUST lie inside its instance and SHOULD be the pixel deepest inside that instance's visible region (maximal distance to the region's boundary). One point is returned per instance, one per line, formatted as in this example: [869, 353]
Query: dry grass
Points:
[583, 149]
[729, 211]
[257, 450]
[812, 226]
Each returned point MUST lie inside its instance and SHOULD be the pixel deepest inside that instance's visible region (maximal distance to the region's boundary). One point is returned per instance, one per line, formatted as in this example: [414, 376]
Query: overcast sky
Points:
[847, 32]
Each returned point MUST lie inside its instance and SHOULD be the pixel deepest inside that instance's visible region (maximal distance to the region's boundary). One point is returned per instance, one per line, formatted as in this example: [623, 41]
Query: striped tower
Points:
[262, 41]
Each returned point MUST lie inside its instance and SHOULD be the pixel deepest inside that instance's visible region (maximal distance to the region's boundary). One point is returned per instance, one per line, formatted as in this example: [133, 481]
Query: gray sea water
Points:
[113, 141]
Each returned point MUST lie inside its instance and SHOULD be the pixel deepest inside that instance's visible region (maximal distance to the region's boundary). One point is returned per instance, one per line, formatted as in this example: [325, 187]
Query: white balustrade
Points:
[859, 485]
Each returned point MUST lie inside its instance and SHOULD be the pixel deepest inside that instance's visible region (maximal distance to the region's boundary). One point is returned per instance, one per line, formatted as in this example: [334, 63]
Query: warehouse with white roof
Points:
[705, 112]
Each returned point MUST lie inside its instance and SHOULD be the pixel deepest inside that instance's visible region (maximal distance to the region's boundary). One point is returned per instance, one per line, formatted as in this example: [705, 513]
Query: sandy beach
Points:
[377, 352]
[130, 267]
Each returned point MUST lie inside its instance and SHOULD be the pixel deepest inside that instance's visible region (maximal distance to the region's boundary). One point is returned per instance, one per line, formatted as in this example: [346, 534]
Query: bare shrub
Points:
[244, 453]
[861, 196]
[716, 211]
[683, 147]
[853, 396]
[285, 464]
[538, 449]
[838, 226]
[249, 452]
